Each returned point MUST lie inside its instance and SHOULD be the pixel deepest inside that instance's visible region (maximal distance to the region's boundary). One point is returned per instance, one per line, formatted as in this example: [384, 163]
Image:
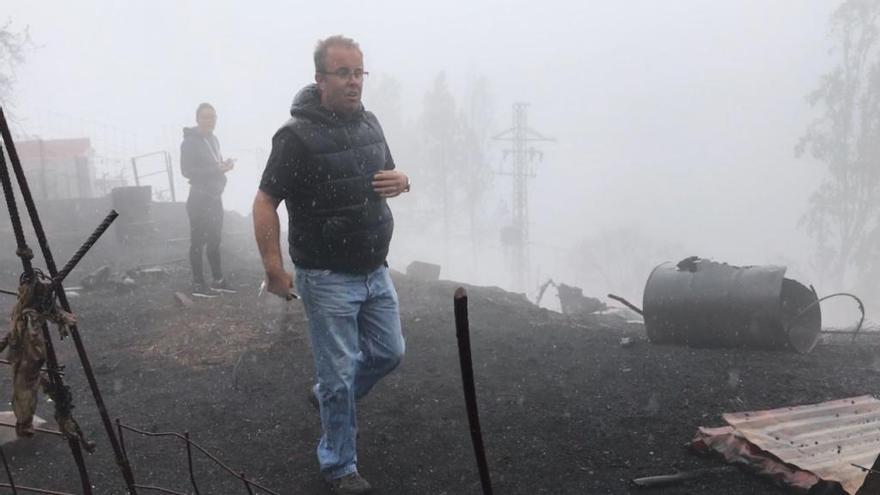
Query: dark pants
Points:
[205, 224]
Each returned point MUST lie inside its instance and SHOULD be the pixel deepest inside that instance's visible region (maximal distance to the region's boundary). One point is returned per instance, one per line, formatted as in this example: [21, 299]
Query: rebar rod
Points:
[35, 490]
[26, 255]
[121, 438]
[23, 251]
[99, 231]
[462, 332]
[74, 332]
[189, 460]
[160, 489]
[246, 484]
[200, 449]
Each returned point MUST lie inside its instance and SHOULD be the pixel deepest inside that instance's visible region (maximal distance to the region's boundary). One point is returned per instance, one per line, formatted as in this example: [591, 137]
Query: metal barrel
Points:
[703, 303]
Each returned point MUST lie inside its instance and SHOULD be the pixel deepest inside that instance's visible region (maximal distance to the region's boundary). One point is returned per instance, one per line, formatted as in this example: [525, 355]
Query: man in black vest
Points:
[204, 166]
[332, 167]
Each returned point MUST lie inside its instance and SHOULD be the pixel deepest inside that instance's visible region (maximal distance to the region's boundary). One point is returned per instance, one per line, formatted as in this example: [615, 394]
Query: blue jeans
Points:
[354, 325]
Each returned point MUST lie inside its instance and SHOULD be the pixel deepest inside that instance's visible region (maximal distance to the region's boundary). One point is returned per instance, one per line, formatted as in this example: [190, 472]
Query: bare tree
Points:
[13, 48]
[844, 213]
[454, 141]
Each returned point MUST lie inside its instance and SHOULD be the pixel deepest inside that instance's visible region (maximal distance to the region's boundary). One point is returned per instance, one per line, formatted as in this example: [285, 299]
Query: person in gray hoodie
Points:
[202, 163]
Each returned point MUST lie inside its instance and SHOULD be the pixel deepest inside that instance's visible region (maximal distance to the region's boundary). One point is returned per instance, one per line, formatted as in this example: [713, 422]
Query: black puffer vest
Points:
[337, 221]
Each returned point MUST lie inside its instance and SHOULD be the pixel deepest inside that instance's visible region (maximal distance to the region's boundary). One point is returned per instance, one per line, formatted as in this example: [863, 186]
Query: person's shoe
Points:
[222, 286]
[201, 290]
[350, 484]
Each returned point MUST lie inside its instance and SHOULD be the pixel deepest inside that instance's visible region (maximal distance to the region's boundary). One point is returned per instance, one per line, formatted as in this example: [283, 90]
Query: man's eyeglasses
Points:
[345, 73]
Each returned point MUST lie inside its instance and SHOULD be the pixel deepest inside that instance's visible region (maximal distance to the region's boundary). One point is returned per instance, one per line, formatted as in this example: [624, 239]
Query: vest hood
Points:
[307, 103]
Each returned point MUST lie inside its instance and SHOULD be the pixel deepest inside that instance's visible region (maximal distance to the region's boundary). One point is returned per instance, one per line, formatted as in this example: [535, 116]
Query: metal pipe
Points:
[105, 224]
[134, 169]
[170, 168]
[462, 332]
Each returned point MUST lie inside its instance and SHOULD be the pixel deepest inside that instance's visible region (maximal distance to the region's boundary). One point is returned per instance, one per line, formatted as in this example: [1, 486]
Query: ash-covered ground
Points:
[565, 408]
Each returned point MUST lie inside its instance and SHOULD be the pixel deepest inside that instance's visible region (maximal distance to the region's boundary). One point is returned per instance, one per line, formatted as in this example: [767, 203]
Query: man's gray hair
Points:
[323, 45]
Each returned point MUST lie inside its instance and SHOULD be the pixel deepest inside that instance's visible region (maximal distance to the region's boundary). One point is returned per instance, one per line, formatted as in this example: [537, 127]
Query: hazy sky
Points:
[675, 117]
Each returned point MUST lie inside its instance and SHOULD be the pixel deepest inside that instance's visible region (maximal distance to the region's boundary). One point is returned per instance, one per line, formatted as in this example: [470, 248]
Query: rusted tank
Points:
[702, 303]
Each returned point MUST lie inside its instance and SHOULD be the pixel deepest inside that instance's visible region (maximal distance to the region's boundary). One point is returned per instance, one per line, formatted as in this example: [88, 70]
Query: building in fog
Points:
[59, 168]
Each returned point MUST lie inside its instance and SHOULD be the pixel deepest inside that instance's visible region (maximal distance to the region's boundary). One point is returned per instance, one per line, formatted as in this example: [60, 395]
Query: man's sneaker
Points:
[350, 484]
[201, 290]
[222, 286]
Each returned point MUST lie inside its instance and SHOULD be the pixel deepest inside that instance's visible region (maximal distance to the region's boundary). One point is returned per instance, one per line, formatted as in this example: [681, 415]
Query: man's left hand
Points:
[390, 183]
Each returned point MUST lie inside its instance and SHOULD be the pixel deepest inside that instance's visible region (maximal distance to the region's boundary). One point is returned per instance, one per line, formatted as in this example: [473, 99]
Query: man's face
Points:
[341, 94]
[207, 119]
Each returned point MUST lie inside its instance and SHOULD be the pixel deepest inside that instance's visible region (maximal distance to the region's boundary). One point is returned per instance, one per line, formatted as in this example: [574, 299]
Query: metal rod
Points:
[57, 384]
[865, 469]
[462, 332]
[246, 484]
[200, 449]
[74, 332]
[134, 169]
[105, 224]
[121, 438]
[679, 477]
[10, 292]
[35, 490]
[189, 460]
[804, 311]
[25, 254]
[626, 303]
[170, 169]
[159, 489]
[23, 250]
[158, 172]
[8, 471]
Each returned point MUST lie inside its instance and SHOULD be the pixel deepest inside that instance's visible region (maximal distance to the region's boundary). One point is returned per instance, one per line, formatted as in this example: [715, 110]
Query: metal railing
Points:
[168, 170]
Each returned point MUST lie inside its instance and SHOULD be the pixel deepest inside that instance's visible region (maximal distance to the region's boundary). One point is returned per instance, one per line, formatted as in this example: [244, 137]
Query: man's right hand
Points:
[280, 283]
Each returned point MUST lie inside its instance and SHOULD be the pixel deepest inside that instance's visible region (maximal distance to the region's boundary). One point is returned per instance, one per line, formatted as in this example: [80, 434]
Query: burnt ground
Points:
[564, 407]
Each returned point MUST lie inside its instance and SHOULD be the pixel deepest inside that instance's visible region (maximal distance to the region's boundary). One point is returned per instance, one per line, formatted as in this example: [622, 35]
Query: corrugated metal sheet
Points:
[825, 439]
